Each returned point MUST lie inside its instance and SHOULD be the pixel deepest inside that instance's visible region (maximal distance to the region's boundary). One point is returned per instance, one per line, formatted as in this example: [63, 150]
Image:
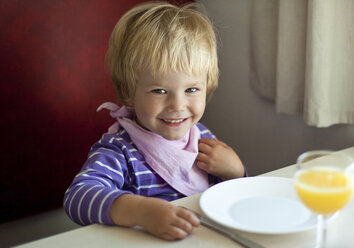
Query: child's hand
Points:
[165, 220]
[218, 159]
[157, 216]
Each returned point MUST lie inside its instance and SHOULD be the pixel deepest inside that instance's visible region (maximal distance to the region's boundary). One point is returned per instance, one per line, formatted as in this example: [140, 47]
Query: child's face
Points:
[169, 104]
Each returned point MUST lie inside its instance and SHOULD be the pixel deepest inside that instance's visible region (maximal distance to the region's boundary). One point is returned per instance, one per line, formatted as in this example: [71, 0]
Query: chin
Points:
[174, 136]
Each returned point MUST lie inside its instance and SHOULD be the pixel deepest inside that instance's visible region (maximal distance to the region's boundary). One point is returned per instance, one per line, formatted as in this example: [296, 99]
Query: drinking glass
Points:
[324, 183]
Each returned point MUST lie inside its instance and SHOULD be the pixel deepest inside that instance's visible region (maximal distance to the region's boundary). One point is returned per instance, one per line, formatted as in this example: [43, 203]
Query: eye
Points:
[159, 91]
[191, 90]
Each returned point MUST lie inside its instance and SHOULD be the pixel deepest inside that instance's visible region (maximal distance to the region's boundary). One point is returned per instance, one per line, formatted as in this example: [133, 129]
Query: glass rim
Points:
[313, 152]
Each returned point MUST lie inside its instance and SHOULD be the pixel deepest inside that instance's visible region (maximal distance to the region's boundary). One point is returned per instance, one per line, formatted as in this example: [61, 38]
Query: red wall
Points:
[52, 79]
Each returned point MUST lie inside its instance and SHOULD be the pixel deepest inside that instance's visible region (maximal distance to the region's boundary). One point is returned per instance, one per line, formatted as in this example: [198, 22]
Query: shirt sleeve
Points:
[93, 190]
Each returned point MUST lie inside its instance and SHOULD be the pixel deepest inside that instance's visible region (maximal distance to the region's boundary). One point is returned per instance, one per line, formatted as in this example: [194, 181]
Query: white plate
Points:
[267, 205]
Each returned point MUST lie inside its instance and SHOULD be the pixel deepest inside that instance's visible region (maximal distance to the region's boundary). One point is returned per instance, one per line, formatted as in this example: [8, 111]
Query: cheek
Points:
[147, 109]
[199, 105]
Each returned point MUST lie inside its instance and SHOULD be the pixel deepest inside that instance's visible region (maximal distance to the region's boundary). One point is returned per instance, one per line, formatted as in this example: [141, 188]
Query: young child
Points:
[163, 62]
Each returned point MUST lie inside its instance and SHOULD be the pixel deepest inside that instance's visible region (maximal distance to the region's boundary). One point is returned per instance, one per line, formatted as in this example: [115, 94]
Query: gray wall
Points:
[263, 139]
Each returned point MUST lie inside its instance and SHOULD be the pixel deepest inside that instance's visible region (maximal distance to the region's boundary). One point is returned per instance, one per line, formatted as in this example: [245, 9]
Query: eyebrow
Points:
[197, 83]
[162, 84]
[153, 84]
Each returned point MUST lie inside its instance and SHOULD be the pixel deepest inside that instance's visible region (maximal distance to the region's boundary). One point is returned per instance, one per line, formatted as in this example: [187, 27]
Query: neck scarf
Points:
[173, 160]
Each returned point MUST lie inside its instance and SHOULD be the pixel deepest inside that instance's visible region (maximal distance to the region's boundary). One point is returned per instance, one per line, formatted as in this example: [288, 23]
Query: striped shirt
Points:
[114, 167]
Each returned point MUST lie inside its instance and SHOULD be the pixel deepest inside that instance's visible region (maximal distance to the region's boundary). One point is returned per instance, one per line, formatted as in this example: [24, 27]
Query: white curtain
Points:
[302, 57]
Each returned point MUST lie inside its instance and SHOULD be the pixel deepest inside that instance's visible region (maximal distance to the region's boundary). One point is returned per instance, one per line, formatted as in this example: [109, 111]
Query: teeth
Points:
[173, 121]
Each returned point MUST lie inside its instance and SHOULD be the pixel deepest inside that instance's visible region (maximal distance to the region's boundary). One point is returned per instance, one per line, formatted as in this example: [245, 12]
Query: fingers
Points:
[185, 223]
[203, 165]
[173, 233]
[204, 148]
[180, 225]
[206, 144]
[202, 156]
[207, 141]
[205, 154]
[166, 236]
[189, 217]
[207, 150]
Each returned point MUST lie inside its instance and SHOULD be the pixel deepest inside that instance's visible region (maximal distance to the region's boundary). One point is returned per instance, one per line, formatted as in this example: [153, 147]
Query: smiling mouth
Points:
[173, 121]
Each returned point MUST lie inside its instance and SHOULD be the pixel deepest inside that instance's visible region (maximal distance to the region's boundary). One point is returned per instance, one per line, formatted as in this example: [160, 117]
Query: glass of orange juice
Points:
[324, 183]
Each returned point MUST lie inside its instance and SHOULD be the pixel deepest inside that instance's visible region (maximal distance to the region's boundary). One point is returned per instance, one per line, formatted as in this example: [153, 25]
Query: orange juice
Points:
[324, 190]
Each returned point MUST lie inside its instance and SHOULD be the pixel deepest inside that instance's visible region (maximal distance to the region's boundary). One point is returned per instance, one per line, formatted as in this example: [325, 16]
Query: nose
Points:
[175, 103]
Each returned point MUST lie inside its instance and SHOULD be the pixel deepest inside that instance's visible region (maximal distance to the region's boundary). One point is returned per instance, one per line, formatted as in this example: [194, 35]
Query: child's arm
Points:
[157, 216]
[218, 159]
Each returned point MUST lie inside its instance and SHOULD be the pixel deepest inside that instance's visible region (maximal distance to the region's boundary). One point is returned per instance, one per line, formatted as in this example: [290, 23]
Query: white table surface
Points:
[340, 231]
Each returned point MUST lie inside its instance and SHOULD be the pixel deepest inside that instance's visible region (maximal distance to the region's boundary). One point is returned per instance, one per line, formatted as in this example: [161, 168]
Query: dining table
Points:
[340, 230]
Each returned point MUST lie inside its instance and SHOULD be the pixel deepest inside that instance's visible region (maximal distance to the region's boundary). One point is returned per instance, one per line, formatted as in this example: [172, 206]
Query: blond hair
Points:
[161, 37]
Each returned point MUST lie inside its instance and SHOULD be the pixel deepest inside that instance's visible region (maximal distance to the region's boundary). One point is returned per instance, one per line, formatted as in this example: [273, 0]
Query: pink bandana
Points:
[173, 160]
